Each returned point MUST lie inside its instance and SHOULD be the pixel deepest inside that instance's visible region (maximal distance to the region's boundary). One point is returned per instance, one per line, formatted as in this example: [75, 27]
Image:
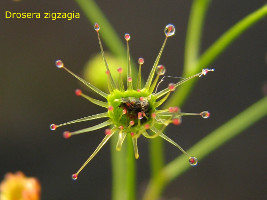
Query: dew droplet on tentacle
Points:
[59, 64]
[127, 36]
[161, 70]
[53, 127]
[141, 61]
[96, 27]
[74, 177]
[169, 30]
[193, 161]
[205, 71]
[205, 114]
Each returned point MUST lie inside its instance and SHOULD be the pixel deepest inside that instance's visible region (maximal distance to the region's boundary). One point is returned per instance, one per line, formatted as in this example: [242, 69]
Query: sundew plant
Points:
[135, 110]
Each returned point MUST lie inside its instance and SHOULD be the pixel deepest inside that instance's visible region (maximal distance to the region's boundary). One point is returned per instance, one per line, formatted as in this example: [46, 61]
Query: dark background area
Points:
[34, 93]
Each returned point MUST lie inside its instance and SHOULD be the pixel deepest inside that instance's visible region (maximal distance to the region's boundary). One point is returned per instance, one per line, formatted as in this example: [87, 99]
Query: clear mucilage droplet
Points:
[96, 27]
[205, 114]
[161, 70]
[169, 30]
[193, 161]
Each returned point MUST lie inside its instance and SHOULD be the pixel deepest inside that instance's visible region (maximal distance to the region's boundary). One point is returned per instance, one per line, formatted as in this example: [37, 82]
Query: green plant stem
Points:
[206, 146]
[156, 158]
[192, 66]
[123, 170]
[118, 179]
[130, 170]
[214, 51]
[194, 33]
[227, 38]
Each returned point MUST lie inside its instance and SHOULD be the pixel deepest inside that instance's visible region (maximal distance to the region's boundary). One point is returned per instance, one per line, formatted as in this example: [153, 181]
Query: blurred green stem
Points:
[213, 52]
[205, 146]
[194, 33]
[123, 170]
[194, 65]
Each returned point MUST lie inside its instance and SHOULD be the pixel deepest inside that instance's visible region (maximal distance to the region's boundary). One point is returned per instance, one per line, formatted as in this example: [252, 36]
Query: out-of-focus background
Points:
[34, 93]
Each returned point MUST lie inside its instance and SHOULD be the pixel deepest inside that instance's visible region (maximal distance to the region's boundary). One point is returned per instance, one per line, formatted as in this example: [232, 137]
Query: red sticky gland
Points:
[140, 115]
[205, 114]
[119, 70]
[192, 161]
[176, 109]
[132, 134]
[176, 121]
[110, 108]
[147, 126]
[78, 92]
[66, 134]
[107, 131]
[205, 71]
[131, 123]
[127, 36]
[108, 72]
[53, 127]
[141, 98]
[97, 27]
[171, 87]
[74, 177]
[170, 28]
[171, 109]
[129, 79]
[161, 70]
[153, 115]
[141, 61]
[121, 127]
[124, 111]
[138, 90]
[59, 64]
